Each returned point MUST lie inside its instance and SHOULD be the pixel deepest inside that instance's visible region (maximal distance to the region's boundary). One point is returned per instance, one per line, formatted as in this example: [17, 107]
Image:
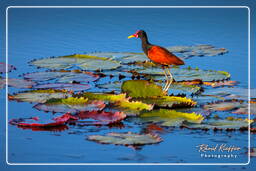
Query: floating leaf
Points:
[104, 97]
[3, 67]
[62, 77]
[220, 124]
[185, 74]
[70, 105]
[84, 61]
[102, 116]
[125, 139]
[34, 121]
[141, 89]
[244, 109]
[120, 102]
[222, 106]
[197, 50]
[170, 117]
[124, 57]
[170, 101]
[221, 84]
[39, 96]
[63, 86]
[17, 83]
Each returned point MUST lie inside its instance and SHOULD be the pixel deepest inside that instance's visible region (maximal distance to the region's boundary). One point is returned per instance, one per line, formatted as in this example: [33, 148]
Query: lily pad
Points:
[63, 86]
[222, 106]
[3, 67]
[39, 96]
[178, 87]
[71, 105]
[141, 89]
[244, 109]
[35, 121]
[120, 102]
[197, 50]
[170, 117]
[169, 101]
[124, 57]
[125, 139]
[181, 74]
[220, 124]
[62, 77]
[102, 117]
[85, 62]
[17, 83]
[221, 83]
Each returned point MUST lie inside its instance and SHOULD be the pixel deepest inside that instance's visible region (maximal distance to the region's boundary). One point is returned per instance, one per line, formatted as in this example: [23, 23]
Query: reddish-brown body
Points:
[162, 56]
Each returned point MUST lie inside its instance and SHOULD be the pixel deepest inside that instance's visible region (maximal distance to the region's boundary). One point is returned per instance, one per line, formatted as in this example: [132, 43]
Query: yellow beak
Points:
[131, 36]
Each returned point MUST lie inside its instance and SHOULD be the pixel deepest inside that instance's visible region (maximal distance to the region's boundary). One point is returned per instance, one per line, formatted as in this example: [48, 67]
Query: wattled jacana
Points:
[158, 55]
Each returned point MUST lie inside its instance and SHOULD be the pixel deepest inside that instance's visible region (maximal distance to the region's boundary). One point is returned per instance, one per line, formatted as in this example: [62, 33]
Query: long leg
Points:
[166, 76]
[171, 79]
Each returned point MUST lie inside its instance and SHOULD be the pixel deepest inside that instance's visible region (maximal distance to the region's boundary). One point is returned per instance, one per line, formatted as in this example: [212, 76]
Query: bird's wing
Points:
[163, 56]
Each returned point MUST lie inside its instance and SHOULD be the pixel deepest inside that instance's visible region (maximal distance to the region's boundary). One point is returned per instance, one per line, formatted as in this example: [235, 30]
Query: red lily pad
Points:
[3, 67]
[102, 116]
[34, 122]
[63, 86]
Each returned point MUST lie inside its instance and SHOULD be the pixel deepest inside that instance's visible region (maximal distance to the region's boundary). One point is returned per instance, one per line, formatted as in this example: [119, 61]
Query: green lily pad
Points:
[175, 88]
[125, 139]
[141, 89]
[62, 77]
[85, 62]
[124, 57]
[222, 106]
[197, 50]
[119, 102]
[170, 117]
[63, 86]
[71, 105]
[220, 124]
[39, 96]
[169, 101]
[181, 74]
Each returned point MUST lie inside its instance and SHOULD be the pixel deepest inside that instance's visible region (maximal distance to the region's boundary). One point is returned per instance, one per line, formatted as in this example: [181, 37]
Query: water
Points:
[38, 33]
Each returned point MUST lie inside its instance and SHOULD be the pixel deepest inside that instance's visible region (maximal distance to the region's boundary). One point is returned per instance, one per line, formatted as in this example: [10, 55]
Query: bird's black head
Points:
[138, 34]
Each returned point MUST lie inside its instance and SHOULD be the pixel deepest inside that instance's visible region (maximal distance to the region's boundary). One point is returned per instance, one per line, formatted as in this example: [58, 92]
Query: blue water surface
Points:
[39, 33]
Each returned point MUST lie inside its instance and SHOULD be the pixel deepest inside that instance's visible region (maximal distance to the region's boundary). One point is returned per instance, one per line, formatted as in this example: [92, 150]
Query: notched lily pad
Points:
[244, 109]
[184, 74]
[63, 86]
[170, 117]
[120, 102]
[223, 105]
[220, 124]
[85, 62]
[4, 67]
[197, 50]
[62, 76]
[71, 105]
[34, 122]
[17, 83]
[127, 139]
[141, 89]
[39, 96]
[102, 117]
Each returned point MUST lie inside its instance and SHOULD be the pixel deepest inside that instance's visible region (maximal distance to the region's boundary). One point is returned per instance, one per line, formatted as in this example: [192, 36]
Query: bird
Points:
[158, 55]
